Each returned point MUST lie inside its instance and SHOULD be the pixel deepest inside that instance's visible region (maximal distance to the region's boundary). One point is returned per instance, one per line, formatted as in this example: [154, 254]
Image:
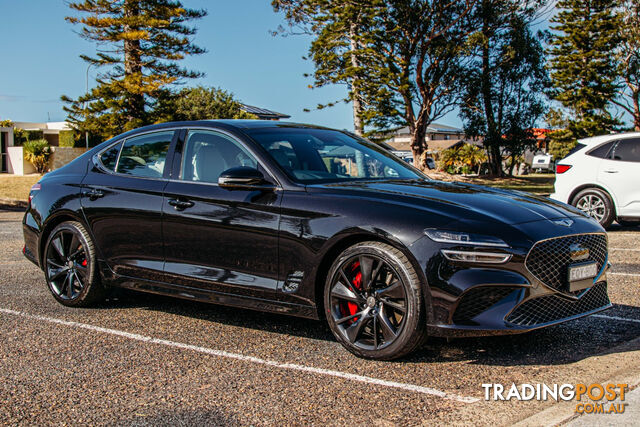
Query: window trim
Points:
[244, 145]
[98, 161]
[615, 146]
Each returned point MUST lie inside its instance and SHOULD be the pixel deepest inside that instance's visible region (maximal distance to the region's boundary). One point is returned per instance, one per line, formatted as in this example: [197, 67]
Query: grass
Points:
[16, 187]
[536, 183]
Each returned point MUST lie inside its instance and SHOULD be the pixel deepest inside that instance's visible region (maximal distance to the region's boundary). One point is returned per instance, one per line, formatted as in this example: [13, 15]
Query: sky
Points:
[40, 62]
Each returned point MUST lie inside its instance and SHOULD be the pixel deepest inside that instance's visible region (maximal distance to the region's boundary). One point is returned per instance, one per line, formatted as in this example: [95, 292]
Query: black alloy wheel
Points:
[69, 266]
[373, 302]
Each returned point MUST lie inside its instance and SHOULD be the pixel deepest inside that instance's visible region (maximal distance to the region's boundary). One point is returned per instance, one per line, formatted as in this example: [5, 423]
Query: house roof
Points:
[263, 113]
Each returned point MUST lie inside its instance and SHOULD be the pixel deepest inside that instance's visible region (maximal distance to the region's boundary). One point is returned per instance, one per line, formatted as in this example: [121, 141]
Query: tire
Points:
[597, 204]
[70, 266]
[392, 321]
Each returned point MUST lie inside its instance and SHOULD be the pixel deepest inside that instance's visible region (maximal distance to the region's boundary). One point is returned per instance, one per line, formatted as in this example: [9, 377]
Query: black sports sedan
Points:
[312, 222]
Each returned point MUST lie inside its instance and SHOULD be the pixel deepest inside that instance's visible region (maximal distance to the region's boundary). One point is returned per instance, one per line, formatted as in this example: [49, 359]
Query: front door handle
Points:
[611, 171]
[93, 194]
[180, 205]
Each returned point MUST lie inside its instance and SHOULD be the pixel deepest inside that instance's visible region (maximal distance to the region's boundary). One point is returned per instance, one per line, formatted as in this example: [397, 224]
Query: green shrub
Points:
[67, 138]
[20, 136]
[37, 153]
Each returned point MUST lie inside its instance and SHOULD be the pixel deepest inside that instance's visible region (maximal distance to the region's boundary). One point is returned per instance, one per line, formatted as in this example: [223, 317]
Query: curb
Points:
[563, 412]
[13, 205]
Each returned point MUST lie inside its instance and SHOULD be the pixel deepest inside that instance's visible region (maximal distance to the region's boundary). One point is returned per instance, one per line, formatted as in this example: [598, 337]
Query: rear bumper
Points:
[31, 240]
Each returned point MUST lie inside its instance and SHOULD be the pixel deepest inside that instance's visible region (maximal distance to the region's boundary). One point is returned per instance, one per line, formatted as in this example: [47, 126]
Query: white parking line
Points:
[250, 359]
[624, 274]
[623, 319]
[624, 249]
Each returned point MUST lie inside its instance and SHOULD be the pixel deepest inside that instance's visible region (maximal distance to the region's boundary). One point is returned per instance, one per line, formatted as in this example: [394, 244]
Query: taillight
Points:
[562, 168]
[34, 187]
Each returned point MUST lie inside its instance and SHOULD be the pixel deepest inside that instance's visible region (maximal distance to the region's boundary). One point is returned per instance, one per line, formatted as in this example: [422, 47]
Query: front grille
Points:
[549, 260]
[550, 308]
[478, 300]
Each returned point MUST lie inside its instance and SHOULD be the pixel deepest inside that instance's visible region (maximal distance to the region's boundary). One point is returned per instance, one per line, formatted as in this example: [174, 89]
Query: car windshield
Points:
[321, 155]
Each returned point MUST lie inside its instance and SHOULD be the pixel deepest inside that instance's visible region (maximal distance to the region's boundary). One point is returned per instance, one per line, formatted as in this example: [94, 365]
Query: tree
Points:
[584, 69]
[343, 32]
[199, 103]
[504, 79]
[140, 43]
[407, 57]
[629, 60]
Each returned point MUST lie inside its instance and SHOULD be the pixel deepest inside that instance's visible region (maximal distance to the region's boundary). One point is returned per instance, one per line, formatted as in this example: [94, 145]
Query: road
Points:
[141, 360]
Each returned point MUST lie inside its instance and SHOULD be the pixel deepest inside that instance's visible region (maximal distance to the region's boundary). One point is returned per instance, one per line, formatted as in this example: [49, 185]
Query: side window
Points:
[603, 151]
[627, 150]
[207, 154]
[145, 155]
[110, 157]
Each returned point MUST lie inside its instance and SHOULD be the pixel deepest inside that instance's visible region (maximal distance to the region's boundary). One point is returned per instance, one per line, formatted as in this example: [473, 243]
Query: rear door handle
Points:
[180, 204]
[93, 194]
[611, 171]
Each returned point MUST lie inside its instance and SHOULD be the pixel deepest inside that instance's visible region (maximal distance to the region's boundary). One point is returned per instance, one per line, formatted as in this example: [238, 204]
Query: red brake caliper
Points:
[84, 262]
[352, 308]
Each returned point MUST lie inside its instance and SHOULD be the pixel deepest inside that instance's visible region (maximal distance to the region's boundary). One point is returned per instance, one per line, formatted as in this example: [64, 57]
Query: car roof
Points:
[595, 140]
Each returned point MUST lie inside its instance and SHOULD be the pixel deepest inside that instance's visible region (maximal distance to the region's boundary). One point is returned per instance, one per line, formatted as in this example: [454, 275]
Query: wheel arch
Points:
[338, 246]
[51, 223]
[578, 189]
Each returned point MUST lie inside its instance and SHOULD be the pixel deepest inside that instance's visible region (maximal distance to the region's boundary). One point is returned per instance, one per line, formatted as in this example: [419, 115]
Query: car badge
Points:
[578, 253]
[563, 222]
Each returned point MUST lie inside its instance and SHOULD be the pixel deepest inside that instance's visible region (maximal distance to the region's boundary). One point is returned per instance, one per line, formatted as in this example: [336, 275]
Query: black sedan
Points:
[312, 222]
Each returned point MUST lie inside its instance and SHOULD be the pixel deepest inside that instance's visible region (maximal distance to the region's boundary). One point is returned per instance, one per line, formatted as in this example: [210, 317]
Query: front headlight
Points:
[479, 257]
[461, 238]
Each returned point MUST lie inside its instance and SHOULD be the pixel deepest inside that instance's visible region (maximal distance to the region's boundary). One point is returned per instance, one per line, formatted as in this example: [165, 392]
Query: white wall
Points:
[16, 164]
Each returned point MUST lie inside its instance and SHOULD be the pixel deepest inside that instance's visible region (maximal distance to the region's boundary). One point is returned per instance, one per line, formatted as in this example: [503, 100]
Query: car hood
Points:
[461, 201]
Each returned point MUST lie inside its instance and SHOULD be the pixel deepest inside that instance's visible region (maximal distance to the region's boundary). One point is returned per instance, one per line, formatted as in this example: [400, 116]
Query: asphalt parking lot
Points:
[143, 360]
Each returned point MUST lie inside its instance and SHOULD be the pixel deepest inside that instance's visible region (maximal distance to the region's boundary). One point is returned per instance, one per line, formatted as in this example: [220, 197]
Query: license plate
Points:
[580, 275]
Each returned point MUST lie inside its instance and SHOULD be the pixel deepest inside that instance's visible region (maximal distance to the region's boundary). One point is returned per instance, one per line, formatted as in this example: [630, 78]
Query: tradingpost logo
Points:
[602, 395]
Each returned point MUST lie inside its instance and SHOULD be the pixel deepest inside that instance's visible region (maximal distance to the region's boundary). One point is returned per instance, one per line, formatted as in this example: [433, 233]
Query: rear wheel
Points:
[597, 204]
[70, 266]
[373, 302]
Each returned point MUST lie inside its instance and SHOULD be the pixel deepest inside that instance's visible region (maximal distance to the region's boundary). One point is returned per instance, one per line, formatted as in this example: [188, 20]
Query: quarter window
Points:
[602, 152]
[145, 155]
[627, 150]
[110, 157]
[208, 154]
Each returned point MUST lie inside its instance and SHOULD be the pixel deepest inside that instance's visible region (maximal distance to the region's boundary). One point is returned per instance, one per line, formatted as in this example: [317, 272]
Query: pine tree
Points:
[139, 45]
[504, 79]
[584, 69]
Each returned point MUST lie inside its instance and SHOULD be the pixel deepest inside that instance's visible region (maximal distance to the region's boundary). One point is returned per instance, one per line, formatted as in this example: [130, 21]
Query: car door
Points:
[219, 239]
[122, 203]
[620, 173]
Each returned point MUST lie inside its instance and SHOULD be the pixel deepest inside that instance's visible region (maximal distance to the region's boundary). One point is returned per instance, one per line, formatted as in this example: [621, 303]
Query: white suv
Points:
[601, 177]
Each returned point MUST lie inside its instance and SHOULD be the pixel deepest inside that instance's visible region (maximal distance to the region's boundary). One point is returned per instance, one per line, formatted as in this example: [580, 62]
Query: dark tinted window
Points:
[602, 151]
[208, 154]
[323, 155]
[110, 157]
[627, 150]
[145, 155]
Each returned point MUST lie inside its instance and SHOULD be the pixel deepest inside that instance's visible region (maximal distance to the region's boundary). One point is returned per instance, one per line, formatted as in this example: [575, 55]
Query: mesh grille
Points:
[478, 300]
[550, 308]
[549, 260]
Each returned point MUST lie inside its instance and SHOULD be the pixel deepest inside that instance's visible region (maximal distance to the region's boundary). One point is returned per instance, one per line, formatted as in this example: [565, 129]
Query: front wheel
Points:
[70, 266]
[597, 204]
[373, 302]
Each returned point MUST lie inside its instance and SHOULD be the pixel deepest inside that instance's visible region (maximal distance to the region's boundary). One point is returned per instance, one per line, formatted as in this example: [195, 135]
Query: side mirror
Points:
[243, 178]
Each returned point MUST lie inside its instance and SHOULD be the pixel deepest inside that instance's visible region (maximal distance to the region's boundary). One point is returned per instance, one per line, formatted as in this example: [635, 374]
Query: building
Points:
[439, 137]
[11, 155]
[263, 113]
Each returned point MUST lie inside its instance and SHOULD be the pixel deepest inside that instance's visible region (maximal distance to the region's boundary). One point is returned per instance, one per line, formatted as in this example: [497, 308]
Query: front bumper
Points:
[479, 300]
